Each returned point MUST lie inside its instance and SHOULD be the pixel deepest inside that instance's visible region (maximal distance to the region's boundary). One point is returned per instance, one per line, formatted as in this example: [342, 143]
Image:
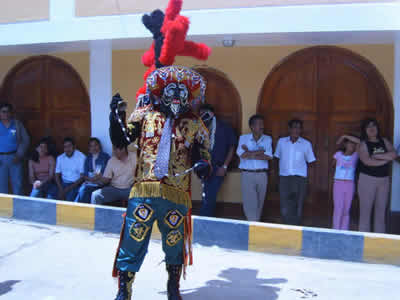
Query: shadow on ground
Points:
[6, 286]
[236, 284]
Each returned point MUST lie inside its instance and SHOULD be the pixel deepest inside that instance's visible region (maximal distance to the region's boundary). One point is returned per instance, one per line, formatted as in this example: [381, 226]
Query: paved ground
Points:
[40, 262]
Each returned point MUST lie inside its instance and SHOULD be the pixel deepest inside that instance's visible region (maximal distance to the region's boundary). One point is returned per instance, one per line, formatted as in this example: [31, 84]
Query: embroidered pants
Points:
[140, 217]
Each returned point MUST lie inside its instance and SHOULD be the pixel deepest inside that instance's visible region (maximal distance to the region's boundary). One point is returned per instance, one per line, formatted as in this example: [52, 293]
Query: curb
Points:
[224, 233]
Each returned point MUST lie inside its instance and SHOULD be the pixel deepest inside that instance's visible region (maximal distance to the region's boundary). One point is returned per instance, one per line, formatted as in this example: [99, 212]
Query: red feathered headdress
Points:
[174, 30]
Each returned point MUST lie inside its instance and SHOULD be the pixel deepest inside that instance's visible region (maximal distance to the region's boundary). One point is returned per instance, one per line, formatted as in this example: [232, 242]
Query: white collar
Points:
[299, 140]
[253, 139]
[70, 157]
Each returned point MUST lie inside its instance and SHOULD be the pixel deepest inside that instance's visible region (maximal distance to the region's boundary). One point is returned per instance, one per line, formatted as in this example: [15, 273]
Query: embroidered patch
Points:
[173, 218]
[143, 212]
[138, 231]
[173, 237]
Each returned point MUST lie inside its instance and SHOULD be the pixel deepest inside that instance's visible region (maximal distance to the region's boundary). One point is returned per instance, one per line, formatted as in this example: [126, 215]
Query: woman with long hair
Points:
[376, 154]
[41, 171]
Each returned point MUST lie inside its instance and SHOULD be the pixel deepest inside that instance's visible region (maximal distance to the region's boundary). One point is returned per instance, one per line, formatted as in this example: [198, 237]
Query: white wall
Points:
[395, 201]
[63, 26]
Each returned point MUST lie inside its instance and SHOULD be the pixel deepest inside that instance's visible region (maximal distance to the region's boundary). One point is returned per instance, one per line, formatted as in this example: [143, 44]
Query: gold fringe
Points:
[160, 190]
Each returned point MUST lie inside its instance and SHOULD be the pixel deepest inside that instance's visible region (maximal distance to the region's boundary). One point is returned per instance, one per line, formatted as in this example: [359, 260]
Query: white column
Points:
[100, 90]
[395, 201]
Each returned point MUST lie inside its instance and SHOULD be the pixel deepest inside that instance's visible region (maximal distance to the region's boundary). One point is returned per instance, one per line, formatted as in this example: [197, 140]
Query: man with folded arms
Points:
[254, 150]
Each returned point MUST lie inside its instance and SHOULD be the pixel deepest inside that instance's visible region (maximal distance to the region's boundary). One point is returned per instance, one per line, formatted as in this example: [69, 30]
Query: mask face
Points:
[174, 100]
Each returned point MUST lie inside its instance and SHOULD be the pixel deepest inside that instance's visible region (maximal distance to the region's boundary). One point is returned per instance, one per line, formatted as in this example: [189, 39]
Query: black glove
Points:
[117, 103]
[202, 169]
[117, 122]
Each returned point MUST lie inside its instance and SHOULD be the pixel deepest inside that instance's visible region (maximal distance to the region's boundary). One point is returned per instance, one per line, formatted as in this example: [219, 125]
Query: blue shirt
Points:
[101, 161]
[225, 139]
[8, 137]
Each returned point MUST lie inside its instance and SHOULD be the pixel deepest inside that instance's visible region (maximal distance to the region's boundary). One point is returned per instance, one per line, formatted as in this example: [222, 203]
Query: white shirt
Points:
[293, 157]
[264, 143]
[72, 167]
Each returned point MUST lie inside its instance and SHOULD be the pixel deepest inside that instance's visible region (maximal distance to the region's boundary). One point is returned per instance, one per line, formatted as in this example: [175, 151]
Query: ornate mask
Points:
[175, 99]
[176, 87]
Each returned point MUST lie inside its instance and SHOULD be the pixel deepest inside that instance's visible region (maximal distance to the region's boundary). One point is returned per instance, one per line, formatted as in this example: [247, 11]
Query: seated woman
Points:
[95, 165]
[41, 171]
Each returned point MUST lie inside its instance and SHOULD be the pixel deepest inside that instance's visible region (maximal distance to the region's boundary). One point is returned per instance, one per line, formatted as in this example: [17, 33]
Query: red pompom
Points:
[174, 40]
[173, 9]
[174, 30]
[148, 56]
[197, 50]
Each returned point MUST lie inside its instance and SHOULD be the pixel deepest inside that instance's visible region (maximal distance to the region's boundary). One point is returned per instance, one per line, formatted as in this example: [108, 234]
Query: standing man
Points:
[14, 141]
[69, 171]
[118, 177]
[222, 148]
[254, 150]
[293, 153]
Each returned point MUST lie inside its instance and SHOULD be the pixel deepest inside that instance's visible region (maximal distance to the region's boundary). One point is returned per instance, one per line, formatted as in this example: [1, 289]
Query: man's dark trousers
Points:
[292, 191]
[211, 188]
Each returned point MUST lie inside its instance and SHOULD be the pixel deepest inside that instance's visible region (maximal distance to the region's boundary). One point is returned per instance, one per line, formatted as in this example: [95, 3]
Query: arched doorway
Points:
[50, 98]
[332, 89]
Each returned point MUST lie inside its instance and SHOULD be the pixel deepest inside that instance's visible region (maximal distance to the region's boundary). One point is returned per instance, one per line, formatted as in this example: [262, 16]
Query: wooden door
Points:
[50, 98]
[332, 90]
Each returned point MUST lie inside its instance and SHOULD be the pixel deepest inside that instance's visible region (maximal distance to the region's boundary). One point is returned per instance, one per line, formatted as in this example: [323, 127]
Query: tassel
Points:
[187, 244]
[115, 270]
[156, 189]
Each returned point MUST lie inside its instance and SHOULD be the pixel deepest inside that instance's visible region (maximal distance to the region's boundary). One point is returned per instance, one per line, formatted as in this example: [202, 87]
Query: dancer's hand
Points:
[202, 169]
[37, 184]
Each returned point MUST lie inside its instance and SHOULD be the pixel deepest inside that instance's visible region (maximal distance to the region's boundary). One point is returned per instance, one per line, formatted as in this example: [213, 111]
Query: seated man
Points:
[95, 165]
[118, 177]
[69, 171]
